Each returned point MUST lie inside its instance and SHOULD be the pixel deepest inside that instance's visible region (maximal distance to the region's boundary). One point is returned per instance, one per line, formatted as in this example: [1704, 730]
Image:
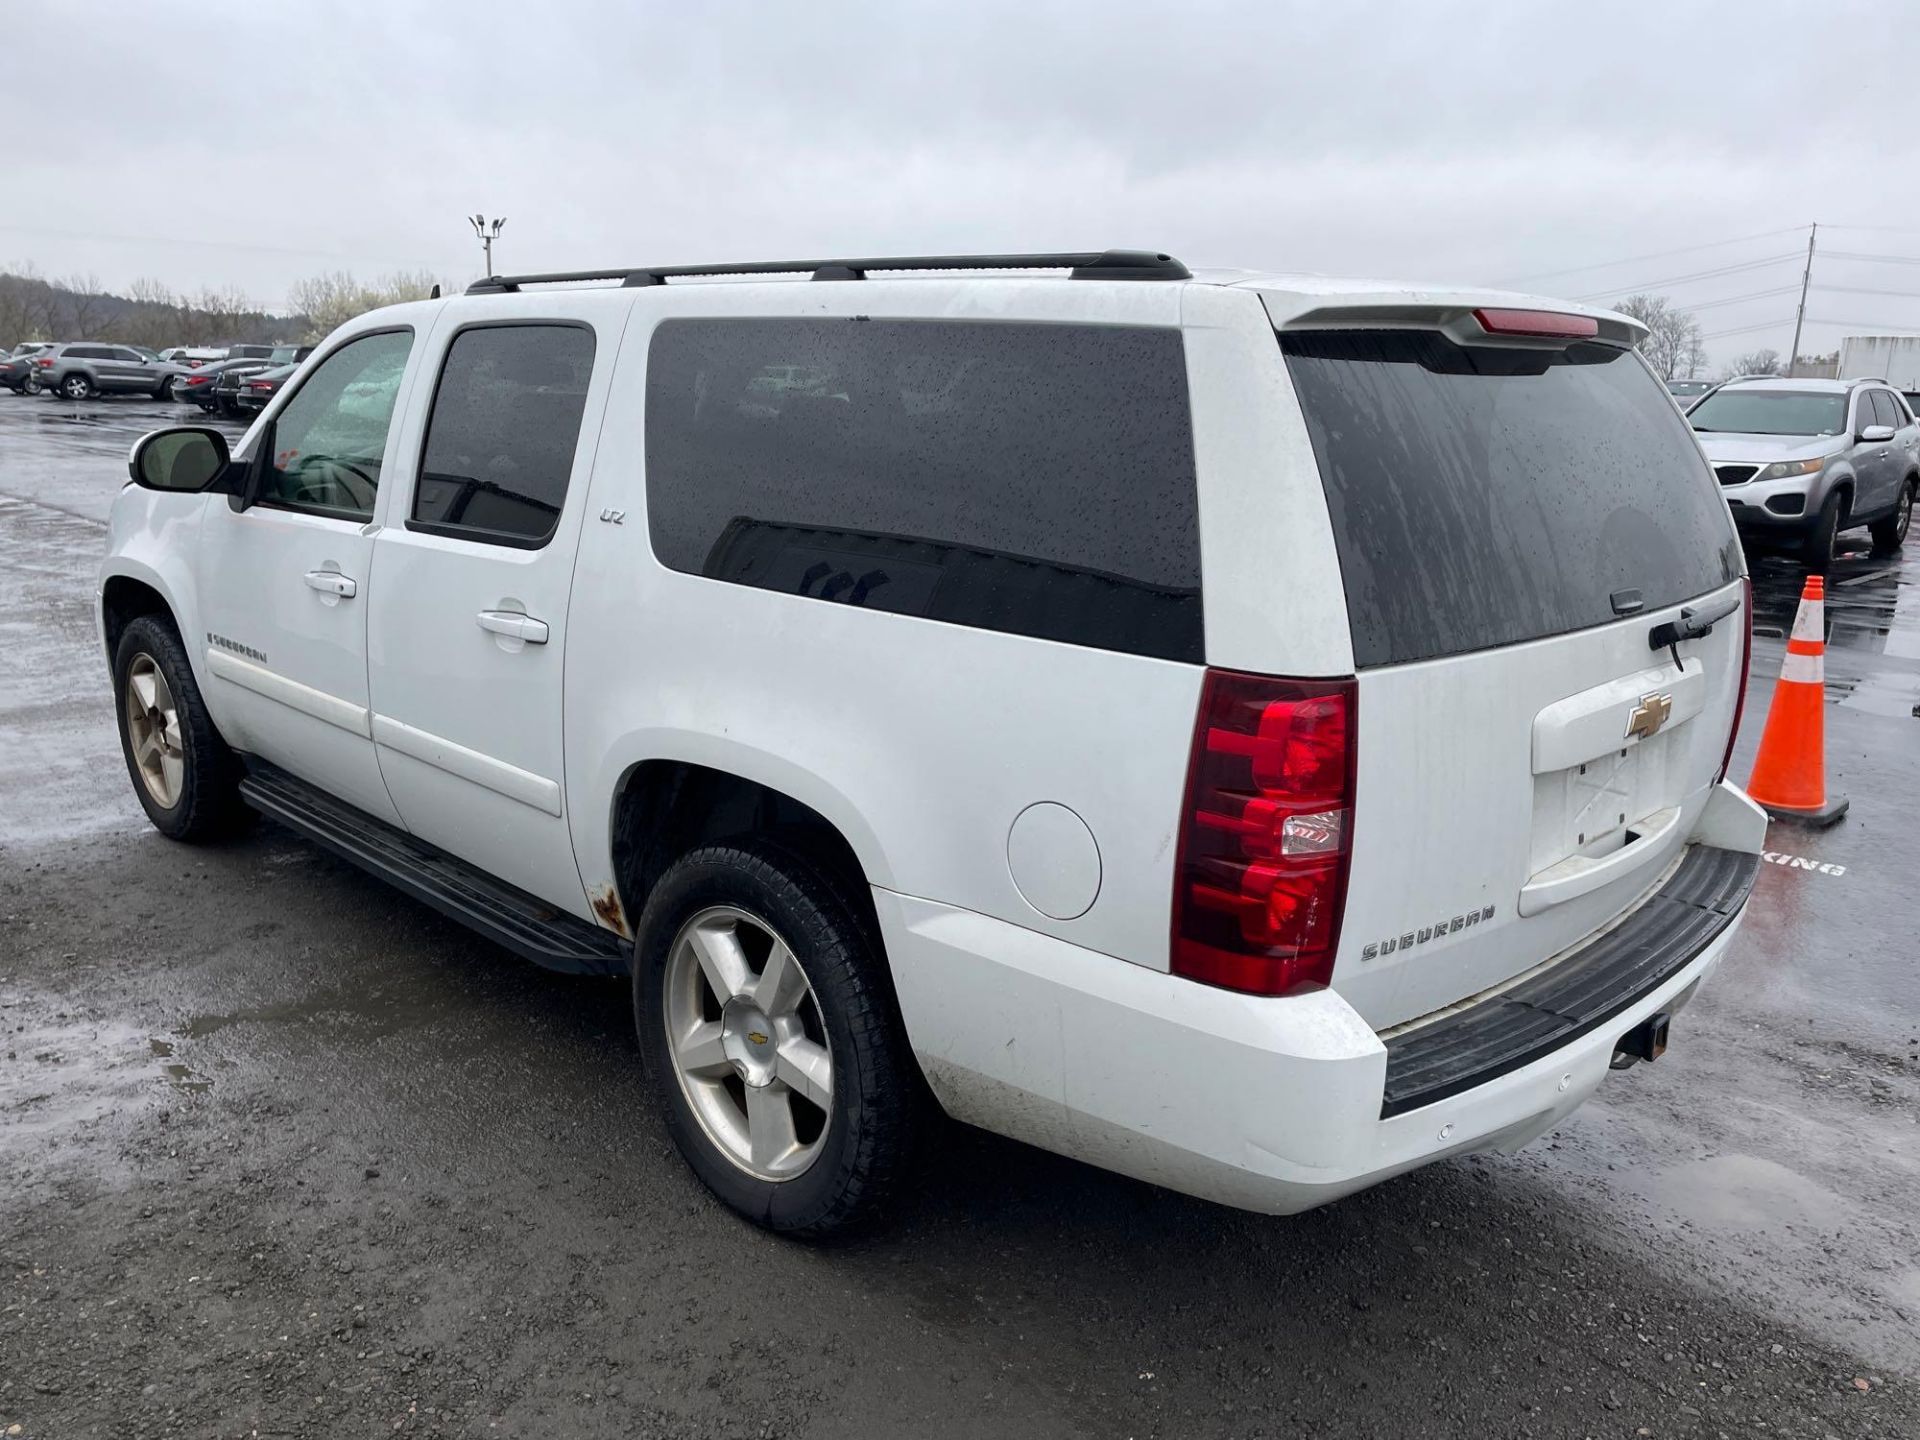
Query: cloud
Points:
[1429, 140]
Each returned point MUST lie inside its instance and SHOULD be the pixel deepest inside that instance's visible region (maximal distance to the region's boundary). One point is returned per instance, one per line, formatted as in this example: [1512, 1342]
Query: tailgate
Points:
[1513, 520]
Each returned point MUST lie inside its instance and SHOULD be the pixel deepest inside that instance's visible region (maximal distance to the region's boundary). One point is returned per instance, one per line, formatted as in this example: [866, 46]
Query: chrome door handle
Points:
[332, 582]
[515, 625]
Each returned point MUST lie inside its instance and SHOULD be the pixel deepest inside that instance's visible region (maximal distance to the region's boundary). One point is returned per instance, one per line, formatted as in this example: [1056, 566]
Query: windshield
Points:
[1770, 412]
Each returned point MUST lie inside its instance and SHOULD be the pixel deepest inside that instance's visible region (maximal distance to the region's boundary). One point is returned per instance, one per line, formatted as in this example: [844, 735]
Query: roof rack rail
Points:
[1083, 265]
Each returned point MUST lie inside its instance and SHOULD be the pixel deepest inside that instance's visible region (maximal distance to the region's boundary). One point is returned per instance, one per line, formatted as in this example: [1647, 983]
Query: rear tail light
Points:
[1547, 324]
[1746, 666]
[44, 363]
[1266, 832]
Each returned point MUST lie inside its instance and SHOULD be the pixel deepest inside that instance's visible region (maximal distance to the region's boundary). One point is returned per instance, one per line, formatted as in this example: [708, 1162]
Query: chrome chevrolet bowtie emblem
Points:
[1649, 715]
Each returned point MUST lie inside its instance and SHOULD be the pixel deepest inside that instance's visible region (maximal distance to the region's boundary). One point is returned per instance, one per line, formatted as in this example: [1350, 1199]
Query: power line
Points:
[1872, 325]
[1696, 275]
[1751, 295]
[1885, 229]
[1868, 290]
[1746, 329]
[1656, 255]
[1876, 259]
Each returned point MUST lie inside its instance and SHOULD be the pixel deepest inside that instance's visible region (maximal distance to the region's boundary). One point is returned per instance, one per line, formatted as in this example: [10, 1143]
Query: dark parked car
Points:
[18, 373]
[256, 390]
[212, 387]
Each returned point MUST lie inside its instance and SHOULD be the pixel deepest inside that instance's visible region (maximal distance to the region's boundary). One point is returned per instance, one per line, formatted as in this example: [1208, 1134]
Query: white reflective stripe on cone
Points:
[1810, 621]
[1809, 669]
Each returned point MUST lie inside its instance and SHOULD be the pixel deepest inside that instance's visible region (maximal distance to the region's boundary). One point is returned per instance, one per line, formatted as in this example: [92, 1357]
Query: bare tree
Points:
[327, 302]
[155, 317]
[1695, 359]
[1674, 344]
[86, 306]
[223, 310]
[16, 312]
[1757, 362]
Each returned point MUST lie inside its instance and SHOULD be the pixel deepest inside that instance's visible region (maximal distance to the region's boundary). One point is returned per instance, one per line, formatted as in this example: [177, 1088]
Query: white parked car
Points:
[1254, 733]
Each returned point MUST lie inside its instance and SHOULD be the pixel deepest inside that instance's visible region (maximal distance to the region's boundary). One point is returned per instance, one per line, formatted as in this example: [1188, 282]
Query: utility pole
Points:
[1800, 315]
[488, 231]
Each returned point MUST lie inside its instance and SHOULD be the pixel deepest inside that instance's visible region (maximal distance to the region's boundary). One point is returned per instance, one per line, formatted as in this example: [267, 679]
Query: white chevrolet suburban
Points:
[1258, 734]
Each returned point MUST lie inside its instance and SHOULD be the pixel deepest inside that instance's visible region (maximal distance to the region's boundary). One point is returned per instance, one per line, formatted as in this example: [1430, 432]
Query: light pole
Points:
[488, 231]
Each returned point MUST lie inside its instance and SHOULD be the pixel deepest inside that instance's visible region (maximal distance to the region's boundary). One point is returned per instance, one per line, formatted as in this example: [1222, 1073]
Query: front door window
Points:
[328, 443]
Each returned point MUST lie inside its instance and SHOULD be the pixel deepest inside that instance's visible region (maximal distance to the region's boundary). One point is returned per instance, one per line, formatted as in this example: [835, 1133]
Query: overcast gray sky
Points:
[260, 142]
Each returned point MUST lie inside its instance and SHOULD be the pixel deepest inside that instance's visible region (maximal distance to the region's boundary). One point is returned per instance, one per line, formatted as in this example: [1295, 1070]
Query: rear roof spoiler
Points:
[1453, 317]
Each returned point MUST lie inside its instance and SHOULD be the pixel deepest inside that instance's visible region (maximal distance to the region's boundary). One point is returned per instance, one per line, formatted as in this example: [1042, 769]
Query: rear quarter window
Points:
[1028, 478]
[1488, 495]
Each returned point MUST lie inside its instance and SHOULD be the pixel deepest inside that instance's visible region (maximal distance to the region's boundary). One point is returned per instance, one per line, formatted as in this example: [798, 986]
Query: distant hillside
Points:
[76, 308]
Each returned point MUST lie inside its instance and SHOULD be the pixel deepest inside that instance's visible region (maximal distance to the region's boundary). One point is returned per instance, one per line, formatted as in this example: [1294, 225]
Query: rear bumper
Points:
[1272, 1105]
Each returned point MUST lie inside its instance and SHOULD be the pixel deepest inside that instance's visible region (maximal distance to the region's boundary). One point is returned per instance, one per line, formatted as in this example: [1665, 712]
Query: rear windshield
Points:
[1486, 495]
[1770, 412]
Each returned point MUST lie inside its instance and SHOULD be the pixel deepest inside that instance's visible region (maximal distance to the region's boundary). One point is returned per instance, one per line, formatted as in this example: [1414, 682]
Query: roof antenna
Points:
[434, 294]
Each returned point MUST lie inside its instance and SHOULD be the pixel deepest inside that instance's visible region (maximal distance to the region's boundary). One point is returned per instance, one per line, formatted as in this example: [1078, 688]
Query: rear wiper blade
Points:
[1695, 623]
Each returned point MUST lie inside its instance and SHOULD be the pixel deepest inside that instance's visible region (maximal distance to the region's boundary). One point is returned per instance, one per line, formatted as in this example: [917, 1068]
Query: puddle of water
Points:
[1881, 693]
[373, 1012]
[160, 1047]
[182, 1078]
[1747, 1194]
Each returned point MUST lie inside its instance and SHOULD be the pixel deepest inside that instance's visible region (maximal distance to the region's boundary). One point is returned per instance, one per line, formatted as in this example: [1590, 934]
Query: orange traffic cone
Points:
[1789, 774]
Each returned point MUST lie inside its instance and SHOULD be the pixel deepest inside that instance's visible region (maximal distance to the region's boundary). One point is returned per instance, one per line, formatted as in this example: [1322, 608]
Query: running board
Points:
[503, 914]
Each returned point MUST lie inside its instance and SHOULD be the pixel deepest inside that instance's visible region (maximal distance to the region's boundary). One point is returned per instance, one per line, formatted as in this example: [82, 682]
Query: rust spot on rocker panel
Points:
[606, 904]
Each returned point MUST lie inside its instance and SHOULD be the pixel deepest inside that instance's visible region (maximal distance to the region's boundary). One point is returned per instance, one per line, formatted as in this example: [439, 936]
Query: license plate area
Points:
[1594, 779]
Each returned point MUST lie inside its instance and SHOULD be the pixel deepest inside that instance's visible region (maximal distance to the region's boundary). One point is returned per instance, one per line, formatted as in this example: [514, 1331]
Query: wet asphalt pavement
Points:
[287, 1154]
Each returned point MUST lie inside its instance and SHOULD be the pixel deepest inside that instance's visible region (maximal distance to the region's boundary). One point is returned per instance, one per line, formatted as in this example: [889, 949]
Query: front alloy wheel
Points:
[748, 1044]
[153, 732]
[184, 776]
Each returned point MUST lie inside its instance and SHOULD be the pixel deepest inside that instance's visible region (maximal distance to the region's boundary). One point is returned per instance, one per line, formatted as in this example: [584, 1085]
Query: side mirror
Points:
[187, 458]
[1875, 434]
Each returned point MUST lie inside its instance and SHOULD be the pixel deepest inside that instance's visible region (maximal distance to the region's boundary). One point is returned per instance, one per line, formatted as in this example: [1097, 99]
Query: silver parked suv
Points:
[1803, 460]
[80, 371]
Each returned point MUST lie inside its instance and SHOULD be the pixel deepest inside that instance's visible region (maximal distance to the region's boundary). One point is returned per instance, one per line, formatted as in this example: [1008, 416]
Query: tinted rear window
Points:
[1486, 495]
[1029, 478]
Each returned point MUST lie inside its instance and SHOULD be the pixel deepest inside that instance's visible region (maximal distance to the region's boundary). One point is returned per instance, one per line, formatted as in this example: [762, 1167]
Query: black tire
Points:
[77, 387]
[28, 387]
[1818, 548]
[878, 1097]
[208, 805]
[1891, 533]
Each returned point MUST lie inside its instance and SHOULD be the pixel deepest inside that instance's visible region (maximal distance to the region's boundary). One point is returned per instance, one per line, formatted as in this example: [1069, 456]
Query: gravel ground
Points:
[289, 1155]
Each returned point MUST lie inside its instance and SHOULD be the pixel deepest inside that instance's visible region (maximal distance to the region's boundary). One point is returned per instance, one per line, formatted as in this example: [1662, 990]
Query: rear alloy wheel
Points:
[771, 1039]
[1825, 535]
[76, 387]
[1891, 533]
